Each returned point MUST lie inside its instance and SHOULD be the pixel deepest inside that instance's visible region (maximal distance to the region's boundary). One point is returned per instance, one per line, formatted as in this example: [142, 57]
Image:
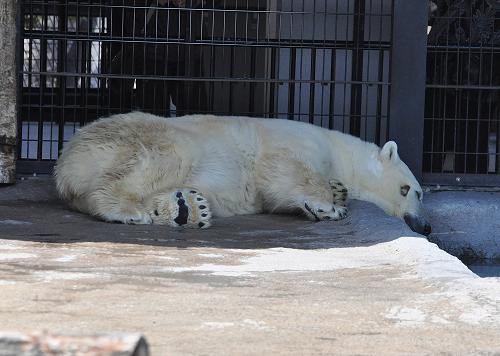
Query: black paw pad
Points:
[200, 225]
[182, 218]
[156, 212]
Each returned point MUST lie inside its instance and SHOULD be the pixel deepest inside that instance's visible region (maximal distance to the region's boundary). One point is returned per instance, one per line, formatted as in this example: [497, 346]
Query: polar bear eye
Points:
[404, 190]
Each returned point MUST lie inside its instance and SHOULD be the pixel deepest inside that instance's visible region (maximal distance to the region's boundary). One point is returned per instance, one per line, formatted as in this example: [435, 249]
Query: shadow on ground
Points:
[30, 211]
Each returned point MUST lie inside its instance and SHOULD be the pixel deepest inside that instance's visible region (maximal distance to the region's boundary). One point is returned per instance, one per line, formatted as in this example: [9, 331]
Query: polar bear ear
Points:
[389, 151]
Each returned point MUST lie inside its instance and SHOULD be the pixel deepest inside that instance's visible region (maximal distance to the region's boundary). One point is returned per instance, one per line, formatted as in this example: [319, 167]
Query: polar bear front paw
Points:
[321, 212]
[339, 193]
[181, 207]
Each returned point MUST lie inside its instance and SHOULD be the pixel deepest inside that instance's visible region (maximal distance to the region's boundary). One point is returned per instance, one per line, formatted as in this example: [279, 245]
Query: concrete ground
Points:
[249, 285]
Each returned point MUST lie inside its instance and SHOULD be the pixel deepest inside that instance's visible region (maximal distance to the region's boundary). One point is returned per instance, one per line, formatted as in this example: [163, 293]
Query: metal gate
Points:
[345, 65]
[462, 111]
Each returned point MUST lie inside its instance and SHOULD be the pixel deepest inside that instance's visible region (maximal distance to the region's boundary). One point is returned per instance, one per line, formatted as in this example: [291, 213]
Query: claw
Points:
[311, 211]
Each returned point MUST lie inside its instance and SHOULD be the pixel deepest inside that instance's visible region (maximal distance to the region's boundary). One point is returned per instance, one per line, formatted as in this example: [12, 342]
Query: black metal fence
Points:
[462, 111]
[324, 61]
[348, 65]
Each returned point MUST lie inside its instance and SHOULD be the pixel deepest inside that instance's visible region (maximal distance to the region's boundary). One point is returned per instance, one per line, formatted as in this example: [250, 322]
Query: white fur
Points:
[117, 165]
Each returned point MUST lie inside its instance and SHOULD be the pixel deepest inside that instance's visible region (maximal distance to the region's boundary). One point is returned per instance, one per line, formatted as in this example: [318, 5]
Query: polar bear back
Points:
[151, 152]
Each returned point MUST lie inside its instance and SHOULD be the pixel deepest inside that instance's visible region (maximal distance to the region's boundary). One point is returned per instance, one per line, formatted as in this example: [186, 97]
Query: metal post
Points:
[8, 91]
[408, 63]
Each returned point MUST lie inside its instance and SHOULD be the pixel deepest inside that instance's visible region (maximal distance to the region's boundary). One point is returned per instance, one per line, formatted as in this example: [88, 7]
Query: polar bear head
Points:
[393, 187]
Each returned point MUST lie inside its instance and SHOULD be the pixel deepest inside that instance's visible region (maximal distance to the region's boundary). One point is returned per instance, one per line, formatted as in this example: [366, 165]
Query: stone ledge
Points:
[249, 285]
[466, 224]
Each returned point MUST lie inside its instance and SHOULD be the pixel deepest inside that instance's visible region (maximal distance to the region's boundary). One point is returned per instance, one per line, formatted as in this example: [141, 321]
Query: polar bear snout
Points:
[418, 224]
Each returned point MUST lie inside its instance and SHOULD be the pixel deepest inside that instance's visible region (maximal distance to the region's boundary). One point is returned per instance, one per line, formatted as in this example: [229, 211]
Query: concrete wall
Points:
[8, 85]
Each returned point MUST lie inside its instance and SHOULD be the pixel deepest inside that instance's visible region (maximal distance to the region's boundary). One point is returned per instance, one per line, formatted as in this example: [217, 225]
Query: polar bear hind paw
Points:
[321, 212]
[127, 217]
[139, 219]
[339, 193]
[181, 207]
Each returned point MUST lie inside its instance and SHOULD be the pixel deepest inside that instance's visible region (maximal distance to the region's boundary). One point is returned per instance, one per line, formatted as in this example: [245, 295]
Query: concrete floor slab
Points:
[249, 285]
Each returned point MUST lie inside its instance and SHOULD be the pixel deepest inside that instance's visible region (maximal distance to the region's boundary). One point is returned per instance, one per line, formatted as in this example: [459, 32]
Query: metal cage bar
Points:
[462, 111]
[327, 62]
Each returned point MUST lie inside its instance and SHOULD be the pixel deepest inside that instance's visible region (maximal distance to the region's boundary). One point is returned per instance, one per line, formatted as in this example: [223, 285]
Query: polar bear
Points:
[138, 168]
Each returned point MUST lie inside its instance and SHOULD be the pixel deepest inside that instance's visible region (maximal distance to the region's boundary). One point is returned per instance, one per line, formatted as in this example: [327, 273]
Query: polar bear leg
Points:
[185, 207]
[321, 211]
[292, 186]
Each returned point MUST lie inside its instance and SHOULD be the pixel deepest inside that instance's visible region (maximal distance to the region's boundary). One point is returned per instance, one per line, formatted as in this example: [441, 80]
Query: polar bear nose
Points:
[418, 224]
